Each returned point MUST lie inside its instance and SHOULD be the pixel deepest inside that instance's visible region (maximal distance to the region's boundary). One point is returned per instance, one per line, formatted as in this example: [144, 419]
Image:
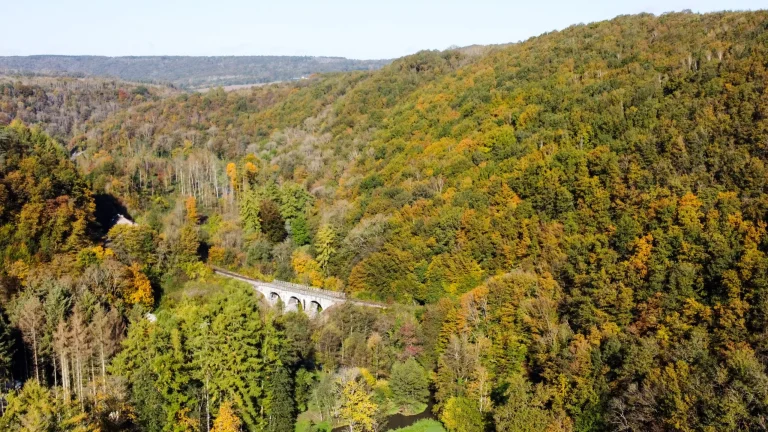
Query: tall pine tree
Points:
[282, 407]
[249, 211]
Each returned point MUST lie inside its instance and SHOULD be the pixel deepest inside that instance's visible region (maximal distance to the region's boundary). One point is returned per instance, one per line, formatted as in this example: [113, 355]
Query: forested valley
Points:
[568, 233]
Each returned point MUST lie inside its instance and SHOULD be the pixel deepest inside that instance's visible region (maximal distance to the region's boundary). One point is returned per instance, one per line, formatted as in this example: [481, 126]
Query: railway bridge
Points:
[294, 296]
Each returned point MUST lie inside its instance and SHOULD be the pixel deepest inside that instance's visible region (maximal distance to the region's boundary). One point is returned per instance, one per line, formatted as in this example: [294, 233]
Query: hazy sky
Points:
[355, 29]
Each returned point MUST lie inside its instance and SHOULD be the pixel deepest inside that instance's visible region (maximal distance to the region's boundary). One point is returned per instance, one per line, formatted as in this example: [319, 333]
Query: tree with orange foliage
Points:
[191, 206]
[639, 261]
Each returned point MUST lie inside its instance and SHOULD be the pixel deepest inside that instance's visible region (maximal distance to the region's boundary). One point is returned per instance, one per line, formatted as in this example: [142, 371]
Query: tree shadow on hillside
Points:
[108, 207]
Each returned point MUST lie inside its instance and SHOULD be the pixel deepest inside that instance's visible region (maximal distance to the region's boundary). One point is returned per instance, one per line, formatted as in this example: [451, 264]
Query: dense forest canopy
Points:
[570, 233]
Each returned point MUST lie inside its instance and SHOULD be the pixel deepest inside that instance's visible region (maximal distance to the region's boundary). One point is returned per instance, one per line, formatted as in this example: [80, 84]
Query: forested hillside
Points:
[570, 233]
[185, 71]
[64, 107]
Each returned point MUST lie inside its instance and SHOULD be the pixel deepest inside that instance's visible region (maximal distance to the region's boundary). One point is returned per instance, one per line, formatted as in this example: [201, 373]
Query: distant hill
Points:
[188, 72]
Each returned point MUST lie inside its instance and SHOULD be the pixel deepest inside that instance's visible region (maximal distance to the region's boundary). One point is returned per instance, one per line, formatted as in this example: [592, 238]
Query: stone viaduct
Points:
[311, 300]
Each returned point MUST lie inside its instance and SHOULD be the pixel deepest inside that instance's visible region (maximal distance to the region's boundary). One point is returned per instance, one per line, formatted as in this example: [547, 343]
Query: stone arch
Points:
[314, 308]
[274, 297]
[294, 304]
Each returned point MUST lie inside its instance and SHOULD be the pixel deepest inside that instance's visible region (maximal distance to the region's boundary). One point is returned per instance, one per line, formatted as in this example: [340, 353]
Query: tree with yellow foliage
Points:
[232, 174]
[462, 415]
[357, 408]
[227, 420]
[140, 291]
[251, 171]
[307, 269]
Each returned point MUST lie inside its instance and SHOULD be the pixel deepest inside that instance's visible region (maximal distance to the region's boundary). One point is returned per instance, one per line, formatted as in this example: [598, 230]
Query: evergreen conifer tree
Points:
[409, 382]
[324, 244]
[282, 407]
[249, 211]
[300, 231]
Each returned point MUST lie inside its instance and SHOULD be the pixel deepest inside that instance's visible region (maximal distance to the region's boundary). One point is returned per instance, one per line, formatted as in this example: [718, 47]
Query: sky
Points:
[359, 29]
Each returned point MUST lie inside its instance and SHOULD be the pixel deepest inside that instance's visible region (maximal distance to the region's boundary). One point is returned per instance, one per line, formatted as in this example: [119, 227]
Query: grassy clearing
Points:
[307, 425]
[175, 289]
[422, 426]
[408, 409]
